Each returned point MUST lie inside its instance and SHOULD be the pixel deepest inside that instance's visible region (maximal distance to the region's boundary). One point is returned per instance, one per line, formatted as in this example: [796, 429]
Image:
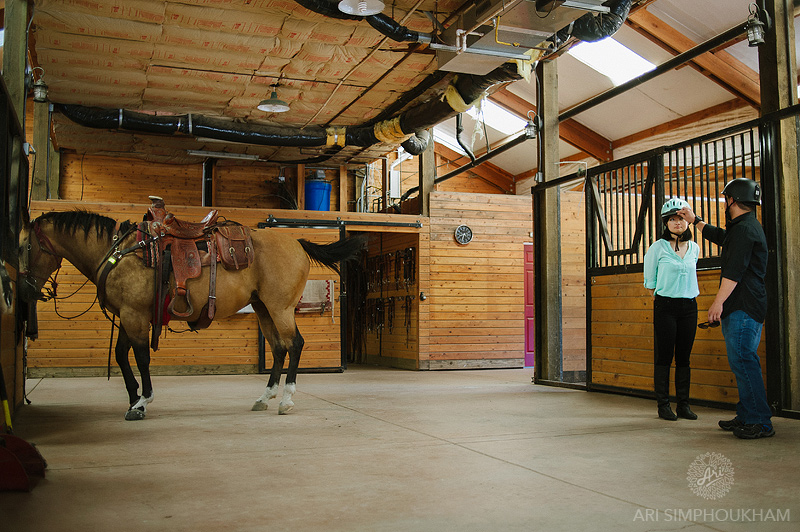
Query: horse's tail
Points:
[331, 254]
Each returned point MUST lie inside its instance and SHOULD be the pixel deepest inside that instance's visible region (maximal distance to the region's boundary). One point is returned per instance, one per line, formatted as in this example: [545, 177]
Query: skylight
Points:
[611, 59]
[498, 118]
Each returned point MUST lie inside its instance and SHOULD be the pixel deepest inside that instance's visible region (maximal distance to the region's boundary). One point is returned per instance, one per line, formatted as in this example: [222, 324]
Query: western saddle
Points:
[184, 248]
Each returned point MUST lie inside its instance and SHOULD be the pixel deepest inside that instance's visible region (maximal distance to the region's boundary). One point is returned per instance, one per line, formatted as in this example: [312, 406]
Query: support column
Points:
[384, 186]
[343, 188]
[547, 234]
[301, 187]
[53, 171]
[781, 200]
[14, 54]
[41, 143]
[427, 175]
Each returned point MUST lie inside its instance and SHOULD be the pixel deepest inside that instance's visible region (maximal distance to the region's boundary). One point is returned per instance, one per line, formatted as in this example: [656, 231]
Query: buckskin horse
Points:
[272, 284]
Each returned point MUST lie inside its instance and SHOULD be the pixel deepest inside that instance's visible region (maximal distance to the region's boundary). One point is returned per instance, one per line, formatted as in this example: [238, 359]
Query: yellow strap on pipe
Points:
[389, 131]
[336, 136]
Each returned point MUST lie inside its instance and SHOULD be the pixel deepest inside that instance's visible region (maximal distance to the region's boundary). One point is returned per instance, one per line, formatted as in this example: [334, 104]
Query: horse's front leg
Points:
[121, 350]
[141, 352]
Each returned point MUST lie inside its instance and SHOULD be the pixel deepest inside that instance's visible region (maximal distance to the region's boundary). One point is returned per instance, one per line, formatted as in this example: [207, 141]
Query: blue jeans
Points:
[742, 336]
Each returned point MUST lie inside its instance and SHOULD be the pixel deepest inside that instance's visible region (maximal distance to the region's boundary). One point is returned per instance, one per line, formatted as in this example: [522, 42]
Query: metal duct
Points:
[426, 115]
[591, 28]
[380, 22]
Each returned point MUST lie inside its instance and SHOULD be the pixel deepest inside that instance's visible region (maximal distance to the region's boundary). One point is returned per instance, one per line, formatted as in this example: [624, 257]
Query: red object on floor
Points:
[21, 465]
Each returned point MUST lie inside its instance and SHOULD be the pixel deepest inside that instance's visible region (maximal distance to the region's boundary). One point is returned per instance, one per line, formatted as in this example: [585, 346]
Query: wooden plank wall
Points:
[622, 339]
[573, 282]
[476, 299]
[239, 184]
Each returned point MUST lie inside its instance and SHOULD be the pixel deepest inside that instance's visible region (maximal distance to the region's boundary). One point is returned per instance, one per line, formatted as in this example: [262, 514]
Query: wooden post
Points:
[41, 143]
[343, 188]
[781, 203]
[385, 185]
[14, 54]
[53, 171]
[547, 235]
[427, 174]
[301, 187]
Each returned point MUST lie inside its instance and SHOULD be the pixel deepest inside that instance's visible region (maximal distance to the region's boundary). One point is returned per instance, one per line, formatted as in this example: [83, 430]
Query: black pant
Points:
[674, 325]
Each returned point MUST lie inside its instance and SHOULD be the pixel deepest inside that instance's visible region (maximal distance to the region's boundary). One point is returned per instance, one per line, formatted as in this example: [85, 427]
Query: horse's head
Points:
[37, 261]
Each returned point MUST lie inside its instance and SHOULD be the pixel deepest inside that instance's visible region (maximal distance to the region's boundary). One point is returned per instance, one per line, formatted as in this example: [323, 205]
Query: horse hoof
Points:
[259, 406]
[285, 408]
[134, 415]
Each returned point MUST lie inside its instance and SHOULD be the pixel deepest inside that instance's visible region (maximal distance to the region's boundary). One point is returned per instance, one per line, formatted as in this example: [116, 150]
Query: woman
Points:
[670, 274]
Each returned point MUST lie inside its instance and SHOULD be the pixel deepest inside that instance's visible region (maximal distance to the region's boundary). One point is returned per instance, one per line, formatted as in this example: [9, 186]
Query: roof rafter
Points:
[570, 131]
[719, 66]
[487, 171]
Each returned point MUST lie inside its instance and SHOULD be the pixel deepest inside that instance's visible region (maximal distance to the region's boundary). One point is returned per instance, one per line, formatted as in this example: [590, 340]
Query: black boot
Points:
[683, 378]
[661, 385]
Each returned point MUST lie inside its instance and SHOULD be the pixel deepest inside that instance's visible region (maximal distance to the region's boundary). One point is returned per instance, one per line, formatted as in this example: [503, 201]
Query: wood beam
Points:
[572, 132]
[724, 107]
[343, 188]
[488, 172]
[721, 67]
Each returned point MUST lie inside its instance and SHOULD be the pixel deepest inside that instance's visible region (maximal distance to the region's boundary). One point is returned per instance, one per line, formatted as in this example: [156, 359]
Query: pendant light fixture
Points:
[273, 104]
[362, 8]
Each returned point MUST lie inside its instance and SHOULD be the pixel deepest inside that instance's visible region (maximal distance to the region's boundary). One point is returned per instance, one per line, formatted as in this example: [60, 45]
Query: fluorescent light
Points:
[223, 155]
[497, 118]
[611, 59]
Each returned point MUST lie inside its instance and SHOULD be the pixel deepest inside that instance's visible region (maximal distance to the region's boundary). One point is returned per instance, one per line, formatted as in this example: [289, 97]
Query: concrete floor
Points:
[387, 450]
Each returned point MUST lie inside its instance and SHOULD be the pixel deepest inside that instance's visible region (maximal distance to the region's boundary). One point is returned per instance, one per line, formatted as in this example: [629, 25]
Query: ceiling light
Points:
[273, 104]
[223, 155]
[362, 8]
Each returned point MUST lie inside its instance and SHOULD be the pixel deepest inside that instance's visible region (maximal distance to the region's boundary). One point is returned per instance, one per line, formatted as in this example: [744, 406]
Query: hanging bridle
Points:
[47, 247]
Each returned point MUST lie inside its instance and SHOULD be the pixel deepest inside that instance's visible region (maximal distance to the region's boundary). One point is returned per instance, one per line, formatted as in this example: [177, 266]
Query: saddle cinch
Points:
[184, 248]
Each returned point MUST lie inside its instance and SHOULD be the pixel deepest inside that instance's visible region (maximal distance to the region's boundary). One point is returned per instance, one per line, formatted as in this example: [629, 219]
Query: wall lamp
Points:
[755, 27]
[39, 87]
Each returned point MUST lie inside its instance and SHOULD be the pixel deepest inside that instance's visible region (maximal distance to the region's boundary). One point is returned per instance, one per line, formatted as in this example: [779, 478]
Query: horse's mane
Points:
[72, 221]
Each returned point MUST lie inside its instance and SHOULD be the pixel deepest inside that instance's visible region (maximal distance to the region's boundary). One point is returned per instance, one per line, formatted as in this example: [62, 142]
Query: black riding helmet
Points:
[743, 190]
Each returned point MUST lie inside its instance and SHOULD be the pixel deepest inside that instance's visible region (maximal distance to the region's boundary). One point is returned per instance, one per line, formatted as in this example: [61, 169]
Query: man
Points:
[741, 302]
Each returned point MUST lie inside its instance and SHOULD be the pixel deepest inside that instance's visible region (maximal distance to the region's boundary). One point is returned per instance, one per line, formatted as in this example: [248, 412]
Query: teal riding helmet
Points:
[671, 206]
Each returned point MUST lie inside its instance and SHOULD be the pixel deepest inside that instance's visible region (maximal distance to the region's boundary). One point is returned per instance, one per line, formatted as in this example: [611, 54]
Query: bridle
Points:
[45, 246]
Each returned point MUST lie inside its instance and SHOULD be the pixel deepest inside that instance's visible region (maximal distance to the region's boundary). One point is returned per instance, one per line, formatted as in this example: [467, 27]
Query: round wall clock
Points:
[463, 234]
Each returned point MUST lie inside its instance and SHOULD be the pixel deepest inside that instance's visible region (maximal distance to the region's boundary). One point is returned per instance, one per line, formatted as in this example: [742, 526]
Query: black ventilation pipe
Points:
[591, 28]
[380, 22]
[428, 114]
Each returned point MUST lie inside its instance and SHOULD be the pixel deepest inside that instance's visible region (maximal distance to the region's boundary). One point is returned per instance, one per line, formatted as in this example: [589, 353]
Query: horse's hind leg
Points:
[278, 356]
[280, 342]
[295, 350]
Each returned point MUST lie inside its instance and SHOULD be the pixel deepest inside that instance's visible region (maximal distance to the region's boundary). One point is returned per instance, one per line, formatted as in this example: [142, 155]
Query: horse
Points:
[272, 284]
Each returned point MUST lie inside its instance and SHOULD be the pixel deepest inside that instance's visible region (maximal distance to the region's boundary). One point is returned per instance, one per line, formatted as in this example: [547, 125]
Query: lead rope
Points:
[110, 344]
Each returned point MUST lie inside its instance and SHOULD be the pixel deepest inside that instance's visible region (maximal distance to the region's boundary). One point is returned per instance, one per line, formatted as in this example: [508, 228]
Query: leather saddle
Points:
[184, 248]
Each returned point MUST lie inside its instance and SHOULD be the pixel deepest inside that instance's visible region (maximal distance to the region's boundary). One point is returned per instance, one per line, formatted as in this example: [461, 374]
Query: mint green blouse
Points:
[669, 274]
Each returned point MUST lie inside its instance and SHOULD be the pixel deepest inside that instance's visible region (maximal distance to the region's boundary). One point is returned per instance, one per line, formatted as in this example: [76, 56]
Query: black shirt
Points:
[744, 260]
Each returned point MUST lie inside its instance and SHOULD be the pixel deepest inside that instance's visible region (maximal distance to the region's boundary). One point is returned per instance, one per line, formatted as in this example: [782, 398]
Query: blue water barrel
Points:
[318, 196]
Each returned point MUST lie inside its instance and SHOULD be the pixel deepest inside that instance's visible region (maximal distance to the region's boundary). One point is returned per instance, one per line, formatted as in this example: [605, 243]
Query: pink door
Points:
[529, 325]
